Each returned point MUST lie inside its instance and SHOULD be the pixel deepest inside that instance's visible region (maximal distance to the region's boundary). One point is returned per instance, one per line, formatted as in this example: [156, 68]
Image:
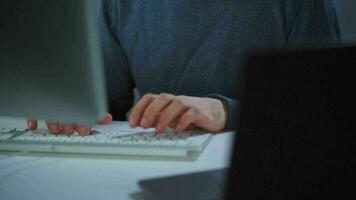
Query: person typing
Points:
[184, 56]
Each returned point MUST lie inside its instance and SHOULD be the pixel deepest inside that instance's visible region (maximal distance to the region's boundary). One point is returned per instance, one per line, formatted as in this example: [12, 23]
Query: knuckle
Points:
[180, 101]
[181, 97]
[148, 96]
[165, 96]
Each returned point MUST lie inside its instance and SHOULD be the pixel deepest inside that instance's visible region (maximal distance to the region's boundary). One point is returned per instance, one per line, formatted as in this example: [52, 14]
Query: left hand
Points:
[69, 129]
[178, 112]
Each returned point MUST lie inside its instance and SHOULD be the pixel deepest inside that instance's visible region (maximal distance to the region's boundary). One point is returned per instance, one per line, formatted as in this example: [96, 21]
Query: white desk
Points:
[78, 178]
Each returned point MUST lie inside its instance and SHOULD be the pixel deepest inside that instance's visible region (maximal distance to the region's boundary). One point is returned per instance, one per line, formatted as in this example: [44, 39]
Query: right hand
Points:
[69, 129]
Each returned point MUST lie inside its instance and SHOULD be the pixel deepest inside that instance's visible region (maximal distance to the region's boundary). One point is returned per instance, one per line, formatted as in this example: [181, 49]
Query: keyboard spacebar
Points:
[99, 150]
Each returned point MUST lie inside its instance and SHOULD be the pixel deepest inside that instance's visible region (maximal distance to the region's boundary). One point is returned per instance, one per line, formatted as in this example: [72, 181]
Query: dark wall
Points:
[348, 18]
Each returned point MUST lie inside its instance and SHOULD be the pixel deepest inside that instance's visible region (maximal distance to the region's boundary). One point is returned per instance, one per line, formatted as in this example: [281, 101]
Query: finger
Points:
[68, 129]
[107, 119]
[187, 118]
[83, 130]
[53, 127]
[154, 109]
[173, 111]
[139, 108]
[173, 123]
[190, 127]
[32, 124]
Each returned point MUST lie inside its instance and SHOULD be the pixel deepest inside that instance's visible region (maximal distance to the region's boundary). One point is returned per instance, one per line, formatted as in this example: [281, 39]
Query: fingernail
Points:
[159, 129]
[107, 119]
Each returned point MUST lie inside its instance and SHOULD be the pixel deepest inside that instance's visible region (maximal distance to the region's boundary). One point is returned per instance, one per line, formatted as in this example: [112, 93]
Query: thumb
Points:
[107, 119]
[32, 124]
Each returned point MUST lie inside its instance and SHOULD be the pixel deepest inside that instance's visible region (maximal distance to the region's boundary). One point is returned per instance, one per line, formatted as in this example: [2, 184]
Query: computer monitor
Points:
[295, 137]
[50, 61]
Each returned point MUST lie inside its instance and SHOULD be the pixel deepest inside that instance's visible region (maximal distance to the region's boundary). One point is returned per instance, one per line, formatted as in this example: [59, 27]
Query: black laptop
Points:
[295, 136]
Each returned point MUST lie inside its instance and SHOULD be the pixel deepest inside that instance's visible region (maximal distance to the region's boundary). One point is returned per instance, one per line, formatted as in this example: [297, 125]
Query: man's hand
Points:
[178, 112]
[69, 129]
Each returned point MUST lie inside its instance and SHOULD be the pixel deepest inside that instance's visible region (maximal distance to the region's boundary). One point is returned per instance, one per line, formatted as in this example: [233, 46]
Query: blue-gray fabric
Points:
[195, 48]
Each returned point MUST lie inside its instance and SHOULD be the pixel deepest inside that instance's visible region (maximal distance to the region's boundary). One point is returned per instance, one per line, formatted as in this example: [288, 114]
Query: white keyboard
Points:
[148, 145]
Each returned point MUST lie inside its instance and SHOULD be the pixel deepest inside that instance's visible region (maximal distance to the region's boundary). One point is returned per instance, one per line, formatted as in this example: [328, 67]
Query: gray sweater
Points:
[195, 47]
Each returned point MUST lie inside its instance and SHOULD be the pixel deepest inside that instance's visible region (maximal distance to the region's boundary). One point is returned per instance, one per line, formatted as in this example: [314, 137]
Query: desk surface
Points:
[80, 178]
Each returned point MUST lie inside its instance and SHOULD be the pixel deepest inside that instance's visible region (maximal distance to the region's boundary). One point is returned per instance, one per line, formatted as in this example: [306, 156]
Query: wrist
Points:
[226, 105]
[220, 112]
